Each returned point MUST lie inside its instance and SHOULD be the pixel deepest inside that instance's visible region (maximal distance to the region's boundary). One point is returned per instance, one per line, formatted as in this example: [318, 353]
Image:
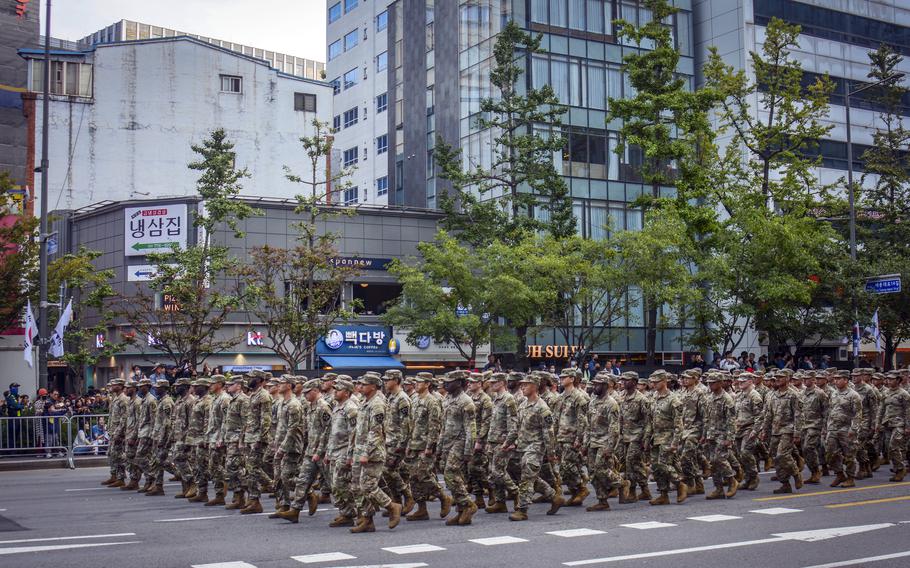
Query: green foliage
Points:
[18, 257]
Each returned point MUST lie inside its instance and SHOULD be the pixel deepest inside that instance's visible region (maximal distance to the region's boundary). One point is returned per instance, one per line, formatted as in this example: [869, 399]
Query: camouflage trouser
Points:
[201, 475]
[840, 453]
[422, 475]
[116, 455]
[233, 465]
[603, 477]
[895, 443]
[866, 451]
[571, 467]
[690, 460]
[479, 473]
[454, 474]
[812, 449]
[342, 492]
[365, 478]
[182, 460]
[144, 455]
[268, 463]
[159, 460]
[746, 449]
[719, 456]
[394, 477]
[663, 465]
[132, 466]
[306, 475]
[619, 456]
[254, 475]
[532, 459]
[325, 478]
[216, 467]
[781, 448]
[287, 476]
[502, 482]
[635, 463]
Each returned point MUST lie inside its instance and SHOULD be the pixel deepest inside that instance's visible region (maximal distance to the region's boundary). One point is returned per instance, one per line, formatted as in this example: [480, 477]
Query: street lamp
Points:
[887, 80]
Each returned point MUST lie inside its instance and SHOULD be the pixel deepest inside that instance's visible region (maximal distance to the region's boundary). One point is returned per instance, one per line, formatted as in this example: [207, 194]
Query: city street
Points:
[52, 518]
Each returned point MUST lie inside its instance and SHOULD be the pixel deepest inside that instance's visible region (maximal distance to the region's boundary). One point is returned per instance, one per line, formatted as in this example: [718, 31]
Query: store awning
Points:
[362, 362]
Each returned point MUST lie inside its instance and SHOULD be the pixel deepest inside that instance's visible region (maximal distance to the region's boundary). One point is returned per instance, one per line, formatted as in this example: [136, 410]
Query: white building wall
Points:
[370, 84]
[152, 100]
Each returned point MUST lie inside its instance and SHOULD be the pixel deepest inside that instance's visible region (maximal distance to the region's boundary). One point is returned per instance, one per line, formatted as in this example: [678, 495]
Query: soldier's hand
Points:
[350, 462]
[364, 460]
[220, 445]
[554, 459]
[428, 452]
[279, 455]
[796, 440]
[478, 446]
[851, 435]
[727, 443]
[315, 458]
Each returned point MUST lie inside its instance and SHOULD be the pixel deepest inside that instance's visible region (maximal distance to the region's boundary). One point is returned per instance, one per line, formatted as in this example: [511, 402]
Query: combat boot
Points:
[557, 502]
[838, 480]
[768, 464]
[682, 492]
[238, 503]
[278, 511]
[798, 480]
[200, 497]
[800, 463]
[118, 483]
[784, 488]
[628, 493]
[218, 500]
[699, 487]
[644, 494]
[109, 480]
[579, 498]
[325, 499]
[752, 485]
[252, 506]
[174, 477]
[849, 482]
[599, 506]
[479, 502]
[445, 505]
[815, 478]
[613, 493]
[364, 525]
[898, 475]
[740, 473]
[289, 514]
[184, 487]
[718, 493]
[497, 507]
[191, 492]
[825, 471]
[662, 499]
[467, 514]
[519, 515]
[146, 487]
[312, 503]
[131, 486]
[342, 521]
[394, 510]
[156, 490]
[409, 504]
[732, 486]
[421, 514]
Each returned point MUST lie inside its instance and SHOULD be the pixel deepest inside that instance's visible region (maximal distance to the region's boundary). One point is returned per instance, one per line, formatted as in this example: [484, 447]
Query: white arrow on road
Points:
[824, 534]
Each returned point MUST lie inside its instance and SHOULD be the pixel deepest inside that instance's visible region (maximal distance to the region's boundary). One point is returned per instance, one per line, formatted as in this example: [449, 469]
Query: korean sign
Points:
[154, 229]
[356, 340]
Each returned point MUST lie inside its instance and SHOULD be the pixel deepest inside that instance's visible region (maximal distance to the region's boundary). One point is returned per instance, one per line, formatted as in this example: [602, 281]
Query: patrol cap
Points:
[498, 376]
[312, 384]
[424, 377]
[784, 372]
[392, 374]
[516, 376]
[630, 376]
[475, 377]
[331, 376]
[568, 372]
[372, 374]
[183, 382]
[238, 380]
[658, 376]
[202, 382]
[455, 376]
[878, 376]
[893, 375]
[371, 379]
[114, 382]
[145, 382]
[283, 380]
[162, 383]
[714, 378]
[745, 376]
[842, 374]
[530, 378]
[130, 384]
[488, 374]
[342, 382]
[218, 379]
[643, 381]
[601, 378]
[408, 380]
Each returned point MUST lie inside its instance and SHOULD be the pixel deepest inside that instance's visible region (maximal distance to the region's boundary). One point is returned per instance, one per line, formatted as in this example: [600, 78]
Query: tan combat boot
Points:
[289, 514]
[579, 498]
[191, 492]
[467, 514]
[599, 506]
[394, 510]
[732, 486]
[218, 500]
[364, 525]
[133, 485]
[421, 514]
[838, 480]
[740, 473]
[445, 505]
[627, 495]
[816, 477]
[409, 504]
[798, 480]
[557, 502]
[278, 510]
[699, 488]
[342, 521]
[644, 494]
[898, 475]
[825, 471]
[238, 503]
[109, 480]
[519, 515]
[479, 502]
[146, 487]
[118, 483]
[156, 490]
[718, 493]
[662, 499]
[253, 506]
[849, 482]
[184, 488]
[202, 497]
[753, 484]
[784, 488]
[174, 477]
[312, 503]
[497, 507]
[682, 492]
[613, 493]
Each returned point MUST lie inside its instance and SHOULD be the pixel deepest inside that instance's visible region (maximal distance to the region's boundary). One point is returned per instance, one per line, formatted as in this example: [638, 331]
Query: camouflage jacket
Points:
[199, 420]
[119, 410]
[426, 415]
[162, 431]
[235, 419]
[503, 420]
[292, 437]
[258, 425]
[398, 422]
[217, 411]
[459, 429]
[572, 417]
[894, 411]
[535, 427]
[634, 417]
[693, 412]
[483, 411]
[749, 408]
[369, 432]
[783, 414]
[603, 423]
[720, 417]
[666, 420]
[146, 419]
[344, 421]
[180, 418]
[845, 411]
[815, 408]
[319, 421]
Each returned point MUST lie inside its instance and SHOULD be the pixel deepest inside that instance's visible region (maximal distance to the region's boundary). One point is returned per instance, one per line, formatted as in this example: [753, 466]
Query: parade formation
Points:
[379, 442]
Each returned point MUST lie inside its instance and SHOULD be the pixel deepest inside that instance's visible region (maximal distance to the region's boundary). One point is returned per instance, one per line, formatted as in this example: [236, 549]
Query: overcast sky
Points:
[294, 27]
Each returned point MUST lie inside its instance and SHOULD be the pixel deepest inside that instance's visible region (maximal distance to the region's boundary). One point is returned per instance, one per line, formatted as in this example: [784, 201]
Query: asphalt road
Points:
[62, 517]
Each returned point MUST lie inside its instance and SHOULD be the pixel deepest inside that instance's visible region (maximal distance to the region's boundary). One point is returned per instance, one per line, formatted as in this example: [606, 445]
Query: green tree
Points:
[194, 291]
[497, 202]
[18, 257]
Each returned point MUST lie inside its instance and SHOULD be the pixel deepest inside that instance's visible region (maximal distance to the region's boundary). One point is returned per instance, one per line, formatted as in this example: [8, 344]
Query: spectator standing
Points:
[158, 373]
[728, 363]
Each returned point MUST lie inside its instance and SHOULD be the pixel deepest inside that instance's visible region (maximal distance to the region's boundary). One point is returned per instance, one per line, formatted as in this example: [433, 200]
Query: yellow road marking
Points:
[831, 492]
[869, 502]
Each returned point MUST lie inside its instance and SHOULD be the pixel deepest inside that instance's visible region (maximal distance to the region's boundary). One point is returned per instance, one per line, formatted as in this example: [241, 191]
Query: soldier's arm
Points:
[729, 420]
[612, 411]
[677, 423]
[857, 422]
[265, 417]
[323, 441]
[486, 412]
[405, 427]
[470, 425]
[758, 408]
[797, 415]
[511, 423]
[434, 425]
[582, 426]
[288, 444]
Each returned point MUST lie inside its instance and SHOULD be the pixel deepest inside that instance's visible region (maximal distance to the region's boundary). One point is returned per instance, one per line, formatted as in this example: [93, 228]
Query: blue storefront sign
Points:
[890, 284]
[357, 340]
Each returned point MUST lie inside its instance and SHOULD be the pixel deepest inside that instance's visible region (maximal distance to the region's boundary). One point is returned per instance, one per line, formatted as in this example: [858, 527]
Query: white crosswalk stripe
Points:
[648, 525]
[496, 540]
[413, 548]
[713, 518]
[225, 565]
[324, 557]
[776, 511]
[571, 533]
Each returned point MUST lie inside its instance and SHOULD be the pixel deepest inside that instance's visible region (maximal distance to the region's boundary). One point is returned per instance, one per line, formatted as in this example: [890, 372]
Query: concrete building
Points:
[128, 30]
[123, 117]
[357, 65]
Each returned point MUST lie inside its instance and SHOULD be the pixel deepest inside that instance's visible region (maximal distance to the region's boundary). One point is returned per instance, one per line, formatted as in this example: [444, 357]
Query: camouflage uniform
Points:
[634, 419]
[749, 407]
[571, 424]
[426, 413]
[369, 442]
[318, 425]
[892, 424]
[456, 444]
[180, 455]
[782, 421]
[256, 433]
[117, 429]
[665, 428]
[132, 438]
[478, 470]
[502, 435]
[162, 435]
[146, 425]
[865, 450]
[232, 436]
[344, 421]
[290, 440]
[720, 423]
[535, 444]
[217, 452]
[845, 419]
[398, 431]
[601, 438]
[692, 401]
[199, 419]
[815, 412]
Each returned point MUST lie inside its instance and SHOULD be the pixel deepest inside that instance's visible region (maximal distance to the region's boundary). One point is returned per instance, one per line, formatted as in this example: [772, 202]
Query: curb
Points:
[51, 463]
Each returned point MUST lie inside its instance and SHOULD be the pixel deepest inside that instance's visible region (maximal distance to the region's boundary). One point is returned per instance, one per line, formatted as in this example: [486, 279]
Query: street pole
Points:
[42, 236]
[850, 191]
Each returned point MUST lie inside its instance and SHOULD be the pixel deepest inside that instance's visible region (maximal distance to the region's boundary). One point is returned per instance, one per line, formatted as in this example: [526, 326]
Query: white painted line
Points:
[862, 560]
[571, 533]
[495, 540]
[406, 565]
[50, 547]
[825, 534]
[103, 488]
[776, 511]
[413, 548]
[648, 525]
[224, 565]
[81, 537]
[191, 519]
[714, 518]
[671, 552]
[324, 557]
[2, 510]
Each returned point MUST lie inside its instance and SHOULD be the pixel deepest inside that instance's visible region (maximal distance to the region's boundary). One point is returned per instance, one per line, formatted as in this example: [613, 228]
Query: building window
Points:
[375, 298]
[334, 49]
[336, 122]
[350, 157]
[382, 20]
[382, 61]
[350, 117]
[67, 78]
[349, 5]
[350, 195]
[350, 78]
[334, 12]
[350, 40]
[305, 102]
[336, 86]
[382, 102]
[231, 84]
[382, 185]
[382, 144]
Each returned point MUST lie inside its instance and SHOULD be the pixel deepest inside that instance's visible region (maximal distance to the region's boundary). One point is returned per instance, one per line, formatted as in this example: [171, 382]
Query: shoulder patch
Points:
[404, 411]
[548, 419]
[379, 417]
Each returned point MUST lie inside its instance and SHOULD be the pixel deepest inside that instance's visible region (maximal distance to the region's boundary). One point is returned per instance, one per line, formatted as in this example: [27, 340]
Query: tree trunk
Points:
[521, 352]
[890, 348]
[651, 336]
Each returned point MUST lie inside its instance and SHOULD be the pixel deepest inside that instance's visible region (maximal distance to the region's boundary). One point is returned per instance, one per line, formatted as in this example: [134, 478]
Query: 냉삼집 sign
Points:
[154, 229]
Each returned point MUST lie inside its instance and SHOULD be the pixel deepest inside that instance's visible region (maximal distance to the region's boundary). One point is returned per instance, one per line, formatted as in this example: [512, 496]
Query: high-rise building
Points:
[357, 65]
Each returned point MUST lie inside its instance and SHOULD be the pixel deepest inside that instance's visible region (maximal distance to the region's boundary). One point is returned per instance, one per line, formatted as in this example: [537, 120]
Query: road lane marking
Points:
[571, 533]
[50, 547]
[776, 511]
[869, 502]
[80, 537]
[672, 552]
[495, 540]
[862, 560]
[224, 565]
[413, 548]
[648, 525]
[825, 534]
[714, 518]
[191, 519]
[103, 488]
[406, 565]
[324, 557]
[830, 492]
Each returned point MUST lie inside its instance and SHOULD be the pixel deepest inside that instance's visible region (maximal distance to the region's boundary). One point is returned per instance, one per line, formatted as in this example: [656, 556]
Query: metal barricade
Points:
[41, 437]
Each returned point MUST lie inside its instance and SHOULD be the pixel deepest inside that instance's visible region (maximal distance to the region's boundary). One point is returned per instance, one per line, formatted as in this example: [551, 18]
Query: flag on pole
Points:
[31, 330]
[56, 347]
[876, 332]
[856, 336]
